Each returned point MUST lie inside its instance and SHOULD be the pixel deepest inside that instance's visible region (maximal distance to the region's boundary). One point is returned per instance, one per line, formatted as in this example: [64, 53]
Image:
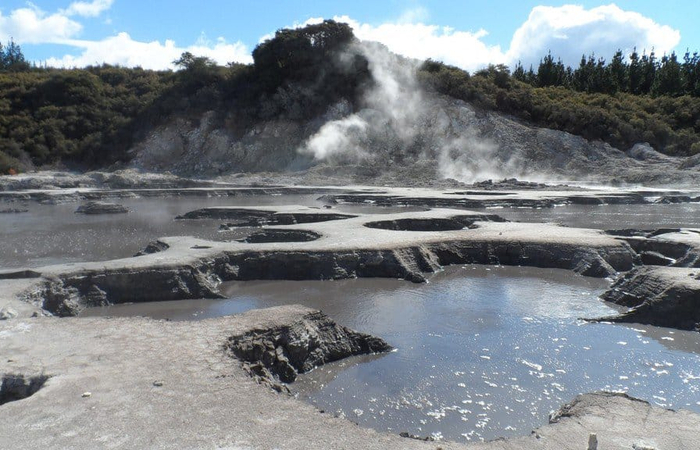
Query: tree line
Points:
[644, 74]
[91, 117]
[12, 58]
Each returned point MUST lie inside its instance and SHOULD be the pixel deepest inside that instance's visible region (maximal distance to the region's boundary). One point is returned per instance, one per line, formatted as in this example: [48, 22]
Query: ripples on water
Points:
[482, 352]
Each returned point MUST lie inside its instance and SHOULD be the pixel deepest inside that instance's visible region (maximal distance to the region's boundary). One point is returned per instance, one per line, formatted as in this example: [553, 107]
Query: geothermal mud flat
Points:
[223, 382]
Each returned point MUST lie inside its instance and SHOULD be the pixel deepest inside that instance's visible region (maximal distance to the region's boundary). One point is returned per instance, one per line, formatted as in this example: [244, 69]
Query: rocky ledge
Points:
[276, 355]
[661, 296]
[406, 245]
[101, 208]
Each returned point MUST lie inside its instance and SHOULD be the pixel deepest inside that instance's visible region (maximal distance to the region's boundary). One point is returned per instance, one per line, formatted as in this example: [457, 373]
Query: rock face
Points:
[661, 296]
[248, 217]
[445, 133]
[69, 295]
[664, 247]
[281, 236]
[578, 406]
[279, 354]
[101, 208]
[153, 247]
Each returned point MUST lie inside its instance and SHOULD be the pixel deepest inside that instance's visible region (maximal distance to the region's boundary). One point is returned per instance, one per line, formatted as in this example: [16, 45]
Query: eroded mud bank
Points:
[403, 246]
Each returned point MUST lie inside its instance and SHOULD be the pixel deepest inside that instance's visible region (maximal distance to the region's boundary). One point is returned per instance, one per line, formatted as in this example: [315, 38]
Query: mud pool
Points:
[482, 352]
[53, 234]
[610, 217]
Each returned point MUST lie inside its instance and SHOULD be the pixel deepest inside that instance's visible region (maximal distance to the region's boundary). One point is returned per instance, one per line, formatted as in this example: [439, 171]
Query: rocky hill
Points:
[319, 106]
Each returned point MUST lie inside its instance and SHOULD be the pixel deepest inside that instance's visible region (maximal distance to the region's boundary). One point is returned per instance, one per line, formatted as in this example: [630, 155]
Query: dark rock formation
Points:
[503, 201]
[435, 224]
[101, 208]
[661, 248]
[661, 296]
[153, 247]
[280, 353]
[417, 225]
[17, 387]
[281, 236]
[13, 210]
[242, 217]
[18, 274]
[69, 295]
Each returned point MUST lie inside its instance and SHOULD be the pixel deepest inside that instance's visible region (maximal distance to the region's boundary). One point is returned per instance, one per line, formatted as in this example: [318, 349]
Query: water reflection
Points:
[53, 234]
[609, 217]
[481, 351]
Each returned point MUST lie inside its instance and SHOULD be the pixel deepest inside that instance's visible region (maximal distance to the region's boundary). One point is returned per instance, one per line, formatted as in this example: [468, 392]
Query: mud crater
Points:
[265, 236]
[19, 386]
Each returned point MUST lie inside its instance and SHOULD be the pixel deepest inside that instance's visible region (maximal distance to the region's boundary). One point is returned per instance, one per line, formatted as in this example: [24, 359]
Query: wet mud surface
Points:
[481, 351]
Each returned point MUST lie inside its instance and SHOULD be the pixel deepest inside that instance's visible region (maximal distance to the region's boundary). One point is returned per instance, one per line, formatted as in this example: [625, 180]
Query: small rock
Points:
[101, 208]
[87, 394]
[592, 441]
[158, 383]
[641, 446]
[13, 210]
[7, 313]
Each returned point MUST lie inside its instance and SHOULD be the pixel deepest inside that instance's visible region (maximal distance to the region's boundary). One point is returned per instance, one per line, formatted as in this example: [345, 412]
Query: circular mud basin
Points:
[438, 224]
[281, 236]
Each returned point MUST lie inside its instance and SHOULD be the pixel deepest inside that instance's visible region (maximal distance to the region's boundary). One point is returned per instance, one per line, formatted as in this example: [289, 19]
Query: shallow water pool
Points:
[481, 352]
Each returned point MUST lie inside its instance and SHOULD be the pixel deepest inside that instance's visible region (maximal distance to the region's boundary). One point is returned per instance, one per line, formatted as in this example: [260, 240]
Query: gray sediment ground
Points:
[129, 383]
[140, 383]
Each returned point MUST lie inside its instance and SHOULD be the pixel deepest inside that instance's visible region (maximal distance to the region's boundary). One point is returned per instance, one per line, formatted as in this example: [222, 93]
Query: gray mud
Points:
[482, 352]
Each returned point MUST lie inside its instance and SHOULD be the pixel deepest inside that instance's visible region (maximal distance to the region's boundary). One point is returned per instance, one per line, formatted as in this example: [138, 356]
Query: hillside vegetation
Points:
[89, 118]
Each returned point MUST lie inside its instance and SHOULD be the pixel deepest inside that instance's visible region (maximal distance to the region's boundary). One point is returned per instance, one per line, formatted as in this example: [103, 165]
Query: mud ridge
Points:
[68, 294]
[660, 296]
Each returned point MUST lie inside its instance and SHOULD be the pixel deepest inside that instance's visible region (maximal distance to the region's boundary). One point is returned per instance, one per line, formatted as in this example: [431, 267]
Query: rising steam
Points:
[399, 121]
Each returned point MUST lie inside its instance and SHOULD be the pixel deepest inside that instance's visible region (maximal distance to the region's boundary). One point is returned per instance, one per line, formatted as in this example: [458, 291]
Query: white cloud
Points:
[417, 40]
[34, 26]
[88, 9]
[570, 31]
[124, 51]
[31, 25]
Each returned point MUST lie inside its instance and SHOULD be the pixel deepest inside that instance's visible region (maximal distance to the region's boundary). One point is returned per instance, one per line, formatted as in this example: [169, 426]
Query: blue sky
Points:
[466, 33]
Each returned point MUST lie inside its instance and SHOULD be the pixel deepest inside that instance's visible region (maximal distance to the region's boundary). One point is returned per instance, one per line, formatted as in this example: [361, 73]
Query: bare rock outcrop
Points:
[101, 208]
[661, 296]
[277, 355]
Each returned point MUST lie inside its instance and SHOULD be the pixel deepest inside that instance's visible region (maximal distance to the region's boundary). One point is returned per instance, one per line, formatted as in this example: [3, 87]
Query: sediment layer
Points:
[661, 296]
[187, 268]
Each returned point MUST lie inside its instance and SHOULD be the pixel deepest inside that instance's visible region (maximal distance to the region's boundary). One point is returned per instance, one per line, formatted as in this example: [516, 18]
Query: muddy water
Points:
[482, 352]
[53, 234]
[609, 217]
